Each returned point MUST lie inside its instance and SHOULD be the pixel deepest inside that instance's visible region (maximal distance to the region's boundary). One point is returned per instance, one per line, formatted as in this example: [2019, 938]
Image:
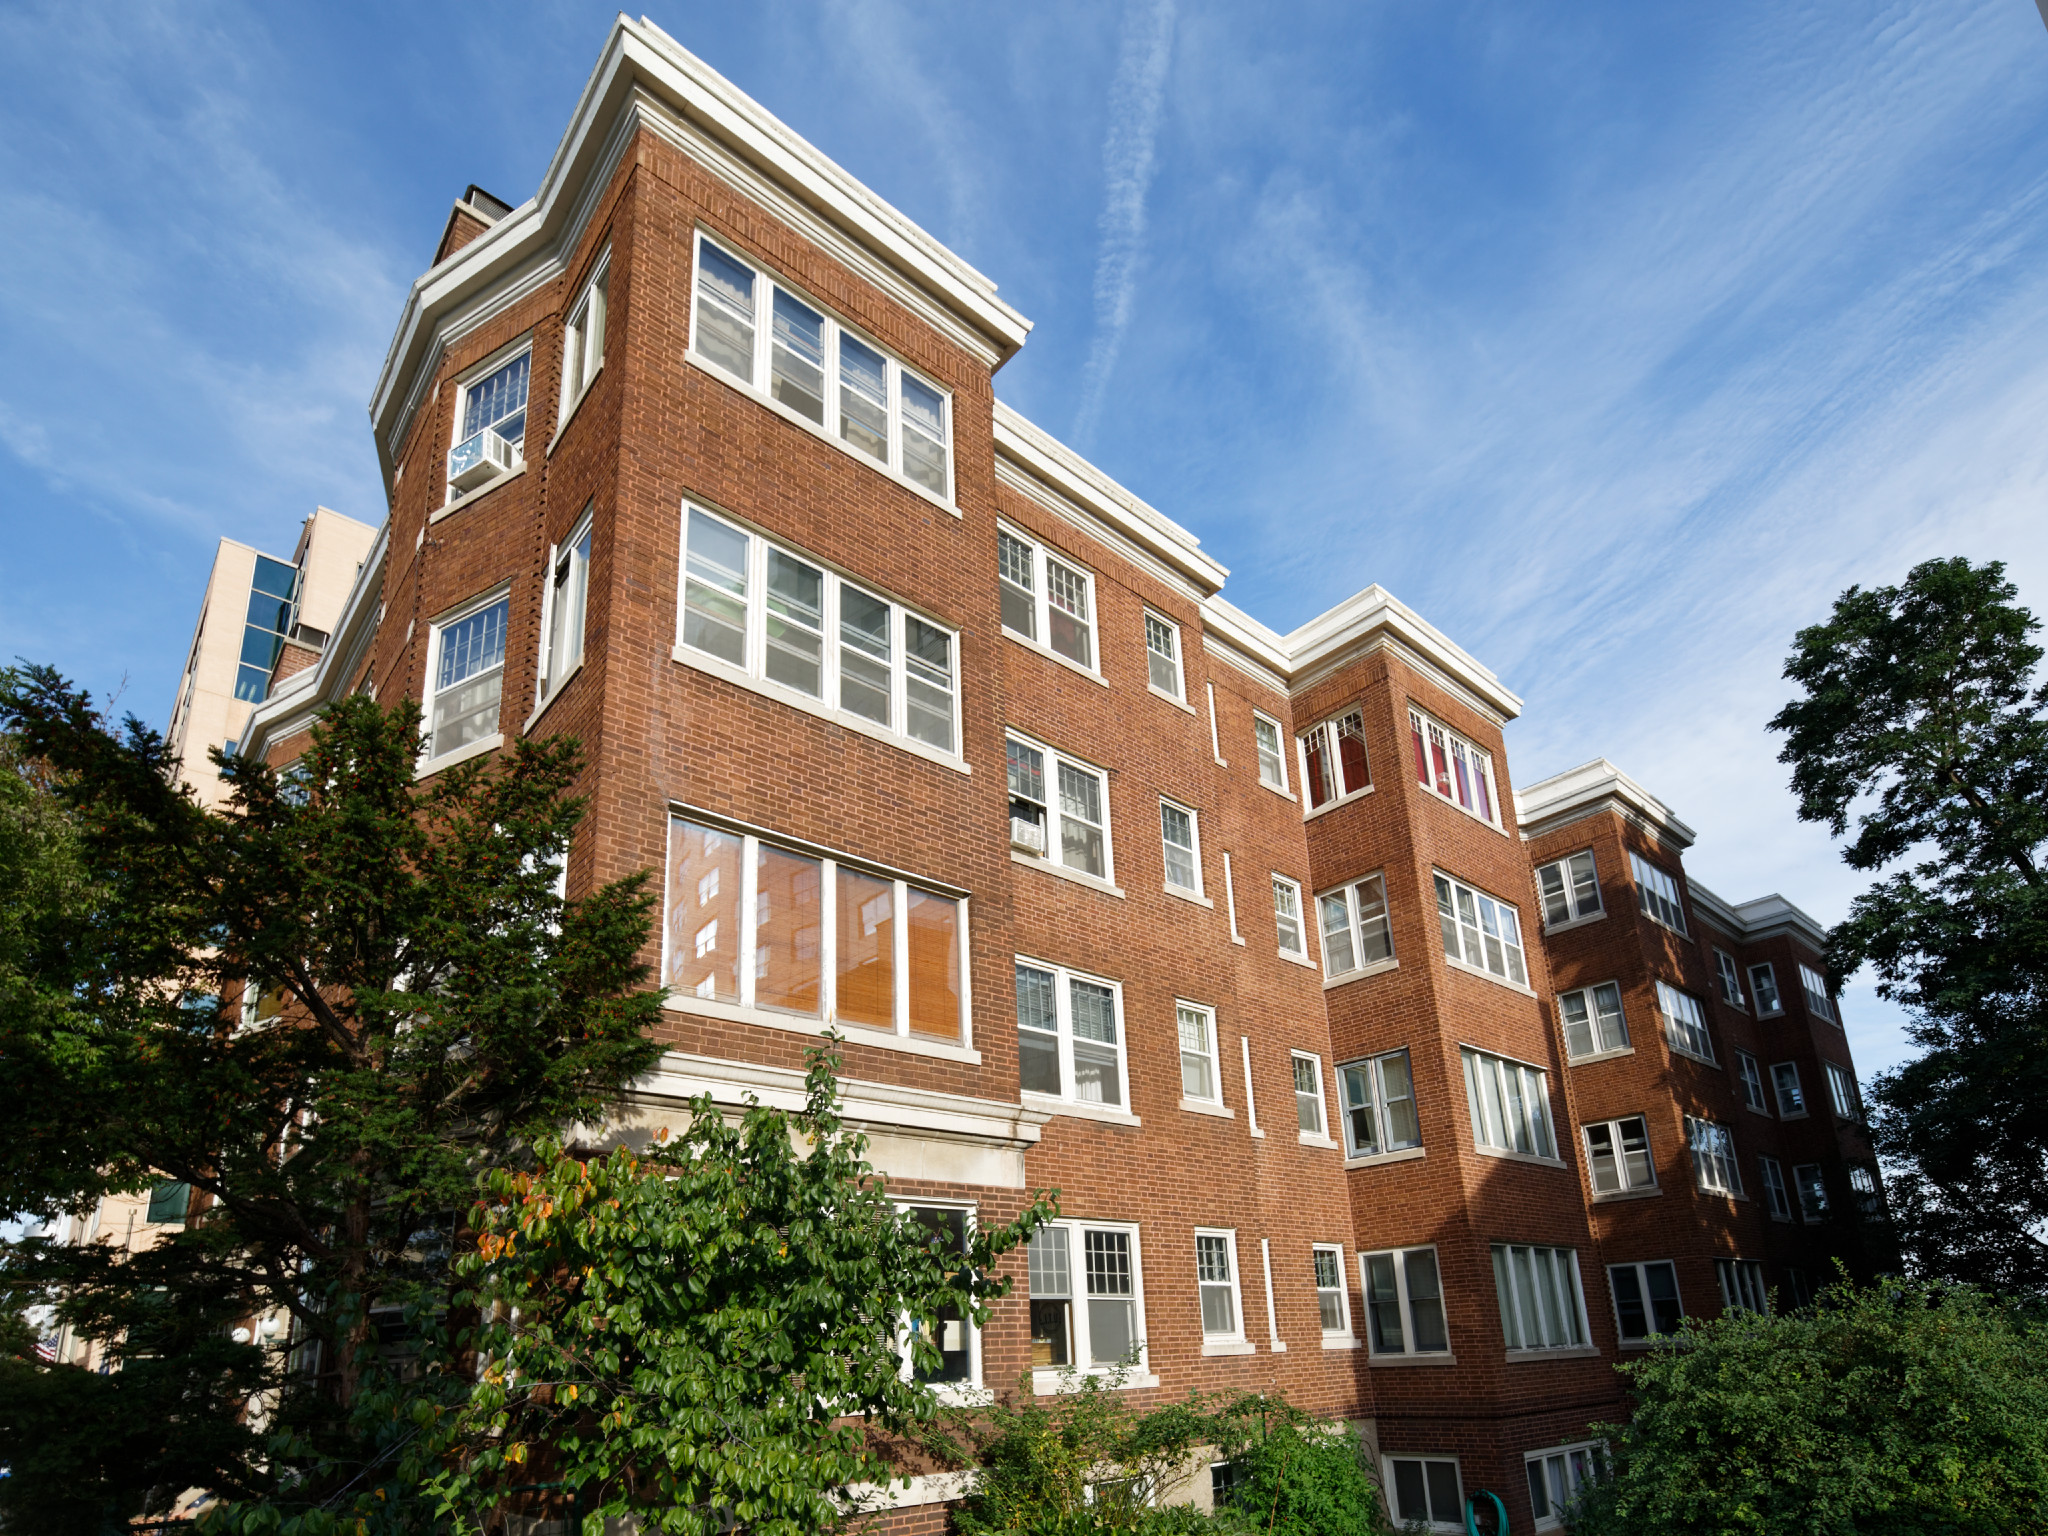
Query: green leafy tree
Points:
[1896, 1410]
[439, 1011]
[1294, 1475]
[709, 1335]
[1923, 725]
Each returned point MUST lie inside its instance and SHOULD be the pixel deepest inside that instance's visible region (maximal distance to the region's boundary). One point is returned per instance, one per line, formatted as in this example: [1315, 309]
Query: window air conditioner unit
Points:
[477, 459]
[1027, 834]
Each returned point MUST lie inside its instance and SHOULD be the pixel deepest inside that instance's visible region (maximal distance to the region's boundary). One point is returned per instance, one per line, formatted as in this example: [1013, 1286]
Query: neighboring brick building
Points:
[940, 735]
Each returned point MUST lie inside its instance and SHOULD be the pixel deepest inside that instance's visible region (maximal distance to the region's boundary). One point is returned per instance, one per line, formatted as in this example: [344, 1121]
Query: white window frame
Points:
[1658, 894]
[1276, 754]
[583, 338]
[1842, 1092]
[1749, 1073]
[1537, 1125]
[468, 380]
[1306, 1098]
[1728, 975]
[1210, 1054]
[1354, 929]
[1777, 1193]
[758, 383]
[1039, 637]
[1404, 1304]
[1641, 1269]
[1685, 1024]
[1234, 1335]
[1514, 971]
[1788, 1093]
[1048, 1379]
[1055, 814]
[827, 1015]
[553, 671]
[1194, 850]
[1777, 998]
[1333, 1338]
[1387, 1474]
[1579, 905]
[1291, 889]
[1328, 731]
[1815, 987]
[1374, 1073]
[1716, 1170]
[1863, 1190]
[971, 1391]
[1742, 1286]
[1507, 1280]
[1425, 734]
[1625, 1183]
[1582, 1465]
[1066, 1100]
[1589, 999]
[1811, 1212]
[751, 671]
[430, 758]
[1158, 627]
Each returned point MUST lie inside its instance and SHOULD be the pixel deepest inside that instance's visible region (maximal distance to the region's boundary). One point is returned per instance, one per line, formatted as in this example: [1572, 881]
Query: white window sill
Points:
[1381, 1159]
[1652, 918]
[1549, 929]
[1568, 1352]
[1093, 882]
[1229, 1347]
[1051, 1382]
[471, 497]
[1237, 938]
[1341, 1341]
[1279, 789]
[1615, 1197]
[1109, 1114]
[1679, 1050]
[1443, 1357]
[959, 1394]
[817, 708]
[1520, 1157]
[478, 748]
[1430, 794]
[1330, 805]
[1174, 699]
[1195, 896]
[554, 693]
[1301, 960]
[574, 406]
[1592, 1056]
[1207, 1107]
[1721, 1194]
[761, 397]
[798, 1024]
[1050, 654]
[1485, 975]
[1308, 1140]
[1392, 963]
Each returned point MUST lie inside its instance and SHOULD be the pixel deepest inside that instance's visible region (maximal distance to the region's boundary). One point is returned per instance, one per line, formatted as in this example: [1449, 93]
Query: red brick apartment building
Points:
[1362, 1075]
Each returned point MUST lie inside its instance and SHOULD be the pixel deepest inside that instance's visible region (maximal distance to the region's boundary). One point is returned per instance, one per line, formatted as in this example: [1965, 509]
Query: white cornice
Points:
[1374, 617]
[1768, 916]
[1590, 787]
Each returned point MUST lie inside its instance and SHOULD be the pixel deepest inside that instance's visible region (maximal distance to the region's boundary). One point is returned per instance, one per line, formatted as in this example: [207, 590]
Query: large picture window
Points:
[1452, 768]
[1541, 1305]
[1356, 931]
[1404, 1302]
[761, 334]
[1070, 1036]
[1086, 1297]
[1593, 1022]
[797, 629]
[1333, 763]
[758, 925]
[1379, 1106]
[1046, 598]
[1479, 931]
[468, 678]
[1059, 808]
[1510, 1105]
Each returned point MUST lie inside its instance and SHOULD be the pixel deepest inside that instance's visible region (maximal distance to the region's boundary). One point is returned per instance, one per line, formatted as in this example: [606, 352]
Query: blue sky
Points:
[1617, 339]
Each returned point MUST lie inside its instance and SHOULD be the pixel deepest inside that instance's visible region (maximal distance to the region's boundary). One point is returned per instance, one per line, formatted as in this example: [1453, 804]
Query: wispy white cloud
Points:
[1129, 159]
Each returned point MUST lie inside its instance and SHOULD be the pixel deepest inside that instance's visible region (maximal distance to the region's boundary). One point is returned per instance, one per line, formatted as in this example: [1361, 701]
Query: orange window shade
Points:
[867, 950]
[703, 912]
[788, 949]
[934, 965]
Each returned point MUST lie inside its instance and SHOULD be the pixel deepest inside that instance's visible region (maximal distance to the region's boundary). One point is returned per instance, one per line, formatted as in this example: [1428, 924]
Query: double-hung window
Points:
[490, 433]
[1570, 889]
[1742, 1285]
[950, 1329]
[1685, 1025]
[468, 677]
[1333, 761]
[789, 931]
[1070, 1036]
[1593, 1022]
[1645, 1299]
[1728, 978]
[1086, 1301]
[1556, 1479]
[1426, 1492]
[1657, 894]
[1618, 1156]
[1480, 932]
[795, 628]
[1776, 1193]
[1333, 1296]
[1863, 1187]
[1510, 1105]
[1059, 808]
[1452, 768]
[1404, 1302]
[1763, 981]
[1815, 986]
[1842, 1092]
[1812, 1187]
[1272, 762]
[1181, 848]
[1216, 1279]
[568, 604]
[1308, 1092]
[1713, 1156]
[1751, 1077]
[1356, 931]
[1287, 918]
[763, 335]
[583, 337]
[1199, 1078]
[1046, 598]
[1791, 1097]
[1162, 656]
[1379, 1106]
[1541, 1304]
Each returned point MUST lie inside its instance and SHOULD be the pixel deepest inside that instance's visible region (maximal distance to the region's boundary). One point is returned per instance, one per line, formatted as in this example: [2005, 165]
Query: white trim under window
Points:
[1404, 1304]
[776, 621]
[491, 404]
[466, 678]
[1162, 657]
[1333, 1296]
[1815, 986]
[1593, 1021]
[1266, 737]
[1425, 1491]
[565, 609]
[1842, 1092]
[1059, 809]
[1379, 1106]
[1087, 1285]
[1713, 1156]
[583, 337]
[1201, 1074]
[1480, 933]
[1047, 599]
[1646, 1300]
[1453, 769]
[1216, 1282]
[1729, 977]
[958, 1379]
[755, 331]
[1287, 918]
[1557, 1475]
[1180, 848]
[1510, 1105]
[1309, 1110]
[1332, 761]
[1618, 1160]
[1542, 1305]
[1356, 931]
[1763, 984]
[1776, 1193]
[1070, 1038]
[1789, 1091]
[1657, 896]
[1742, 1286]
[1569, 889]
[1751, 1076]
[1685, 1023]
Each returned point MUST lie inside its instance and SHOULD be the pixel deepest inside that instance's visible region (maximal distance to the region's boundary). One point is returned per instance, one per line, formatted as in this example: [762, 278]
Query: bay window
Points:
[1618, 1156]
[1333, 763]
[1556, 1479]
[567, 602]
[1379, 1106]
[1815, 986]
[1657, 894]
[1593, 1021]
[1713, 1156]
[1685, 1024]
[1763, 981]
[1452, 768]
[1645, 1299]
[1356, 930]
[1812, 1187]
[583, 335]
[1404, 1302]
[1070, 1036]
[1541, 1304]
[1570, 889]
[1842, 1090]
[1791, 1097]
[1478, 931]
[1510, 1105]
[1742, 1285]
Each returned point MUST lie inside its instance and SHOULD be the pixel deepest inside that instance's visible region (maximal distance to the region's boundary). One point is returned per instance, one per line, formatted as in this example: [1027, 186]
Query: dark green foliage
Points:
[444, 1012]
[1894, 1410]
[1921, 722]
[1293, 1475]
[708, 1333]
